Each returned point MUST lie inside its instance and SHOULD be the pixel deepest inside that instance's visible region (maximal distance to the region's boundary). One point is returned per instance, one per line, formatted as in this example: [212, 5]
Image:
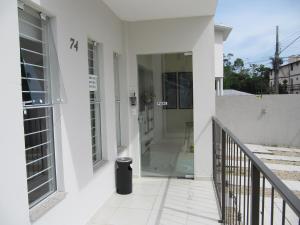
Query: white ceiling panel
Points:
[136, 10]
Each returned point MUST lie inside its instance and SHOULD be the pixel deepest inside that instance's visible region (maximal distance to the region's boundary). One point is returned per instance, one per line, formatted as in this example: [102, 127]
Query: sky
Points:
[253, 25]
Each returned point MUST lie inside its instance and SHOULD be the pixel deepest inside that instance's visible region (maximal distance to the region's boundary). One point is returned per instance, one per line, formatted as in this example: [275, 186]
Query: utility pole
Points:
[276, 63]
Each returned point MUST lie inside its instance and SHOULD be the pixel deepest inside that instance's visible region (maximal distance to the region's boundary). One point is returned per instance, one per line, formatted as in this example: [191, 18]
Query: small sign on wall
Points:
[93, 82]
[162, 103]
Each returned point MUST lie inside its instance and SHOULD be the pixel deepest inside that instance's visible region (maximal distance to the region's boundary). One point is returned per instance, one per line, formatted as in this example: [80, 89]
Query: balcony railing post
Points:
[223, 173]
[255, 183]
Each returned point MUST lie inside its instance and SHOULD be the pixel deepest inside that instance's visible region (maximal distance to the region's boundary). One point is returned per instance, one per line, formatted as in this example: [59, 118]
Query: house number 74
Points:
[74, 44]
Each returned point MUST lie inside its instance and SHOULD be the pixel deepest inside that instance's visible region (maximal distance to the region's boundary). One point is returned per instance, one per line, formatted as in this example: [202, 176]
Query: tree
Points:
[253, 79]
[238, 65]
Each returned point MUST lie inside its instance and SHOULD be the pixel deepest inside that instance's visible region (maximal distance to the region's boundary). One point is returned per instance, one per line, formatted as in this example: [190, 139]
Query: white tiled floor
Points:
[161, 201]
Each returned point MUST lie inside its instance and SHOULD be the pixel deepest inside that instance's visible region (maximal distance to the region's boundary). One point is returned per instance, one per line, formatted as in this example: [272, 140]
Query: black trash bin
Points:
[123, 175]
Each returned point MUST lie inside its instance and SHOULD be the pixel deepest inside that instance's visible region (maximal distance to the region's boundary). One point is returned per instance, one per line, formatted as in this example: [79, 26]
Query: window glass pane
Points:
[27, 30]
[185, 90]
[33, 58]
[31, 45]
[31, 16]
[170, 90]
[32, 84]
[29, 71]
[35, 125]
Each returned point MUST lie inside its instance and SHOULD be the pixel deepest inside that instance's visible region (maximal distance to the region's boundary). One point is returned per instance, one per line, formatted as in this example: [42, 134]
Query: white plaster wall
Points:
[219, 53]
[178, 35]
[86, 190]
[269, 120]
[13, 186]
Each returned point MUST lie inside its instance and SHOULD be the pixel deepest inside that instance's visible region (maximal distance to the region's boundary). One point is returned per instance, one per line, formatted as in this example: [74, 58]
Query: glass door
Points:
[166, 114]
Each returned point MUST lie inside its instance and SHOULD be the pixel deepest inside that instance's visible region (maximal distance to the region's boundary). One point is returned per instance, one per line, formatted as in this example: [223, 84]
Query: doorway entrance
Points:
[166, 114]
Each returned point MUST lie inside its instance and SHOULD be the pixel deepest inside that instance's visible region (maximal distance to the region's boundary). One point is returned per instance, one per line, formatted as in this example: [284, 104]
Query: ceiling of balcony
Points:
[136, 10]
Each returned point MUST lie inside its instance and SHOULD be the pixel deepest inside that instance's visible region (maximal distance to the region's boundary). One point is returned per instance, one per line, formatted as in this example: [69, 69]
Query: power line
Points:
[290, 36]
[290, 43]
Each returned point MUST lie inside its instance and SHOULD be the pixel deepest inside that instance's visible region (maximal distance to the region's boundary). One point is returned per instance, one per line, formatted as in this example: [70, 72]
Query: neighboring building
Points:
[289, 75]
[77, 92]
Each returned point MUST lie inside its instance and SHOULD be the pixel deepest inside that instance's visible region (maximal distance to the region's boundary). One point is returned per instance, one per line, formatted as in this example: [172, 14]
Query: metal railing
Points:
[248, 192]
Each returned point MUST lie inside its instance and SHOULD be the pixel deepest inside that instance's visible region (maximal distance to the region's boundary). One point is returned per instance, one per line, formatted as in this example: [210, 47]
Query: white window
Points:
[37, 105]
[95, 101]
[117, 99]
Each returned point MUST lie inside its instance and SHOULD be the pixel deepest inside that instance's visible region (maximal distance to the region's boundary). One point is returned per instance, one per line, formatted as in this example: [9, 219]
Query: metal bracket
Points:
[43, 16]
[21, 5]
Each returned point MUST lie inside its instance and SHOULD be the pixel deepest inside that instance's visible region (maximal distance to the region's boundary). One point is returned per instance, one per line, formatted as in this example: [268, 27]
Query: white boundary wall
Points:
[267, 119]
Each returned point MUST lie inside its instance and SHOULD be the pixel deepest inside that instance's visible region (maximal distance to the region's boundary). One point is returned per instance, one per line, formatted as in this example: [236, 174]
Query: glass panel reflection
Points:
[166, 115]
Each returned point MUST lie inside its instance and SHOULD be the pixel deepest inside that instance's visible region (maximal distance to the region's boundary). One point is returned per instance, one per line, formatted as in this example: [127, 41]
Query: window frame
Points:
[97, 102]
[26, 16]
[118, 102]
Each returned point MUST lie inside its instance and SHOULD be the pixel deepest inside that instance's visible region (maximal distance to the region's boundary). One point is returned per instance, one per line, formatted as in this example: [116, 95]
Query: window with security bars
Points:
[37, 106]
[117, 99]
[95, 101]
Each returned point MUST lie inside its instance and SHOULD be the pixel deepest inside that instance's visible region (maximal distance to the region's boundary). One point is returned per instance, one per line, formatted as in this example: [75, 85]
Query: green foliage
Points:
[254, 79]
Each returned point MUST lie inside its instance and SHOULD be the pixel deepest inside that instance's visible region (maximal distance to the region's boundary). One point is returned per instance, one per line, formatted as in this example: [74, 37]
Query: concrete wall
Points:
[269, 120]
[13, 194]
[170, 36]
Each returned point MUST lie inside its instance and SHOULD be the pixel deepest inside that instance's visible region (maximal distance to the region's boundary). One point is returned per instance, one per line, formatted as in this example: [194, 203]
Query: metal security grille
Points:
[95, 102]
[37, 107]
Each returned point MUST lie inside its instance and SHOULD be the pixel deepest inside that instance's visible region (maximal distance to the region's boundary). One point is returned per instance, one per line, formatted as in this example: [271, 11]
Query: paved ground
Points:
[284, 162]
[161, 201]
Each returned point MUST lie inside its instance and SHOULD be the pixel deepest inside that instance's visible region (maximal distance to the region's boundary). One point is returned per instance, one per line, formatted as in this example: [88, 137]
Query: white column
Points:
[218, 86]
[221, 86]
[204, 104]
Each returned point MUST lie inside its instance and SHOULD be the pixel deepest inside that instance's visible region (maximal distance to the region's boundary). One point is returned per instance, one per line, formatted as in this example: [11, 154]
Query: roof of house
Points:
[291, 63]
